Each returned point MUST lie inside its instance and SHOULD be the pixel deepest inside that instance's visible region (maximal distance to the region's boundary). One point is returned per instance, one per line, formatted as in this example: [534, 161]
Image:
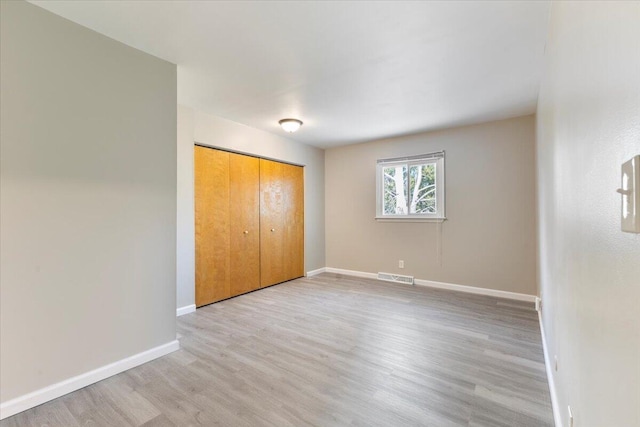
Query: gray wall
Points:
[213, 131]
[588, 125]
[488, 239]
[88, 200]
[186, 245]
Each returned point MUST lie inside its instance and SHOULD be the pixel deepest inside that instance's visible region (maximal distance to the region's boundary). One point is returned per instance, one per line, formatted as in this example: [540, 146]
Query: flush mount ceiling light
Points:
[290, 125]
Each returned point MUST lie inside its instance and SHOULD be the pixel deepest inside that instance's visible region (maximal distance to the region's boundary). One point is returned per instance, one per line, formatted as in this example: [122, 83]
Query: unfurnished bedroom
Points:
[318, 213]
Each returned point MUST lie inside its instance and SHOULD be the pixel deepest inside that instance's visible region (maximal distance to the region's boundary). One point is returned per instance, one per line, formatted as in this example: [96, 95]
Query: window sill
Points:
[408, 219]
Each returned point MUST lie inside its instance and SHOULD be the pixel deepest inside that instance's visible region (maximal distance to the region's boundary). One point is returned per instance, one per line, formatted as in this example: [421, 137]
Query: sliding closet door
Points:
[244, 205]
[212, 225]
[271, 223]
[249, 224]
[293, 211]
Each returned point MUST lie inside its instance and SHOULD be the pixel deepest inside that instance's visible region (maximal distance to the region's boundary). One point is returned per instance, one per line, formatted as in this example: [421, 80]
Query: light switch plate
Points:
[630, 192]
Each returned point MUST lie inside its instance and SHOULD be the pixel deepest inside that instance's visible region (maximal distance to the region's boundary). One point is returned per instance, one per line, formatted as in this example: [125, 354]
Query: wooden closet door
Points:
[244, 208]
[211, 225]
[293, 190]
[271, 223]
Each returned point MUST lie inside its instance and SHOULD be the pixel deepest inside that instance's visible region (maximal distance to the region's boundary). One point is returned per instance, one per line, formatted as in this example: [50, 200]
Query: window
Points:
[411, 188]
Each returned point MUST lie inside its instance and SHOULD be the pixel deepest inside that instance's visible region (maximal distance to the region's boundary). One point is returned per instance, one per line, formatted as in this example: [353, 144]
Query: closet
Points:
[249, 223]
[281, 222]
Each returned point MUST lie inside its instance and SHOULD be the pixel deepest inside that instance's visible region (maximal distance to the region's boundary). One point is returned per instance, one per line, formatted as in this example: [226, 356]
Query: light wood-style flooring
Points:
[331, 351]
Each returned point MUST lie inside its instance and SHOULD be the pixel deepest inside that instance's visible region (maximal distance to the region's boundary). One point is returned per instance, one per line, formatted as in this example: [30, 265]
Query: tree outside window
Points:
[411, 188]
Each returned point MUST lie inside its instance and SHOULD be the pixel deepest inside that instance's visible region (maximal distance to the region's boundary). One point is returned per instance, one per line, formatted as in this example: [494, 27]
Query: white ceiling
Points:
[352, 71]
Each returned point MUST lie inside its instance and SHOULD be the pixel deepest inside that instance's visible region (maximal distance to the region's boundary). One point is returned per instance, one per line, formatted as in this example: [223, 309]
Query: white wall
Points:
[588, 125]
[214, 131]
[185, 264]
[88, 200]
[488, 239]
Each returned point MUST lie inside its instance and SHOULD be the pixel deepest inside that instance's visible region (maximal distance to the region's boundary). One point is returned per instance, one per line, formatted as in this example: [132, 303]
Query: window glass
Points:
[422, 189]
[395, 190]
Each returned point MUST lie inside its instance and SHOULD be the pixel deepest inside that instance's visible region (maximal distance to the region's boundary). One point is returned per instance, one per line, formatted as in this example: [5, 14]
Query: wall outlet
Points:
[555, 363]
[570, 416]
[401, 264]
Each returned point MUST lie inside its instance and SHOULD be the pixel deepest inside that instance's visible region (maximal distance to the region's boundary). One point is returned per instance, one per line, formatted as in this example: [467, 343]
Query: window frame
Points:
[432, 158]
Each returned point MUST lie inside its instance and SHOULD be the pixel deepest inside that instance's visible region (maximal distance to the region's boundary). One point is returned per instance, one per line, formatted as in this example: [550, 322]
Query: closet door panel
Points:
[211, 225]
[271, 223]
[293, 189]
[244, 205]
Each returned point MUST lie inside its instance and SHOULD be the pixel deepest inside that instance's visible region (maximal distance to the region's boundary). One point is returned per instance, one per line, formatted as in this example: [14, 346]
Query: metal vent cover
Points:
[397, 278]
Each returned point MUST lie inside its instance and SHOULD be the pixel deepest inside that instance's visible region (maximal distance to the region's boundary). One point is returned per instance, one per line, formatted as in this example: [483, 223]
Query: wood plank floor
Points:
[331, 351]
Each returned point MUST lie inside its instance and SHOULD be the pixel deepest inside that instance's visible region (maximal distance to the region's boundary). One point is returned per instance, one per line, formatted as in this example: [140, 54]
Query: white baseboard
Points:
[550, 379]
[316, 272]
[475, 290]
[352, 273]
[38, 397]
[442, 285]
[181, 311]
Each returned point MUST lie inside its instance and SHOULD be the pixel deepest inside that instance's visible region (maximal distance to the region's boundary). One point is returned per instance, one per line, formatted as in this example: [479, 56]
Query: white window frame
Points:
[434, 158]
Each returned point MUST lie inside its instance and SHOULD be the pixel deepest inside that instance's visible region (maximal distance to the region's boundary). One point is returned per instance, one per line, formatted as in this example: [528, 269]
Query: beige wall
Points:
[588, 125]
[88, 200]
[489, 237]
[214, 131]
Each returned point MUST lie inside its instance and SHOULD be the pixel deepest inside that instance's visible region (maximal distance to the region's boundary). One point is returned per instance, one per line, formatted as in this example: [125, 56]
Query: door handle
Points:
[273, 229]
[246, 232]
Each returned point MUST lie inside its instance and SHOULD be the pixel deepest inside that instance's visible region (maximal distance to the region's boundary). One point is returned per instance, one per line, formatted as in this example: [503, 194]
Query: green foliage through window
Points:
[409, 189]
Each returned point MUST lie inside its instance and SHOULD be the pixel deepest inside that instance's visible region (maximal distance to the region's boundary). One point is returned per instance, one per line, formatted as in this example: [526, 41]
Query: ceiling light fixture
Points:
[290, 125]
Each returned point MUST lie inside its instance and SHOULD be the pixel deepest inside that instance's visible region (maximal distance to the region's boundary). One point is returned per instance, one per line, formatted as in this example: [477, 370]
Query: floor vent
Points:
[396, 278]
